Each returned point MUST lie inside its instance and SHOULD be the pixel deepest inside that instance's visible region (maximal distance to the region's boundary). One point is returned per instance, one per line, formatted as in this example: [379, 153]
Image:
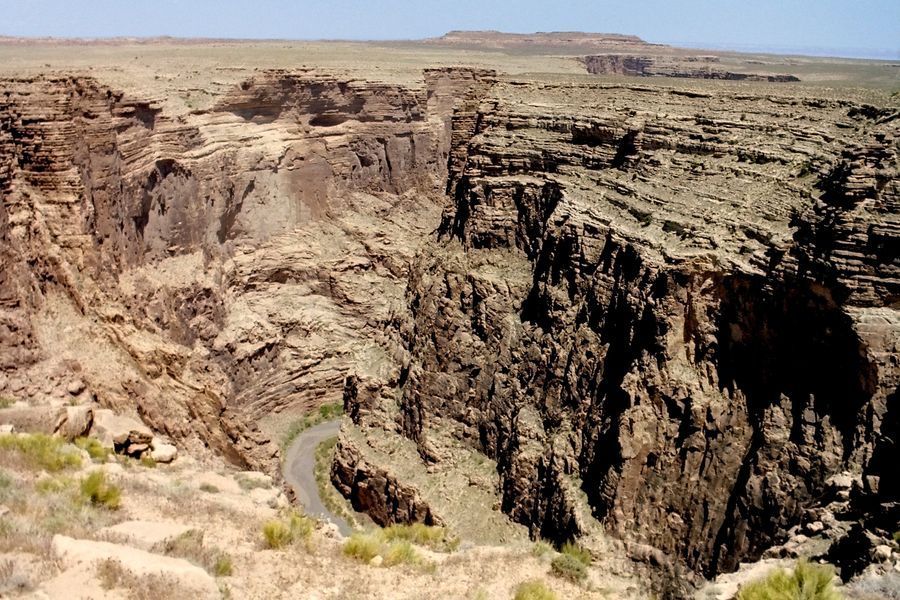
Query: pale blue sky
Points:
[845, 27]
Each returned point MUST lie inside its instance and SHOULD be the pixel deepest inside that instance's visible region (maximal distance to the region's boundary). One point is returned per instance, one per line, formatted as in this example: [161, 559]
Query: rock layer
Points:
[685, 67]
[223, 265]
[669, 312]
[682, 301]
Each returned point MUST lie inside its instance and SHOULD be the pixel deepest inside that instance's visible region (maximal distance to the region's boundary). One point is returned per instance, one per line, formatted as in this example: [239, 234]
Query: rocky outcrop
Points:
[178, 248]
[687, 315]
[188, 577]
[665, 312]
[688, 67]
[376, 492]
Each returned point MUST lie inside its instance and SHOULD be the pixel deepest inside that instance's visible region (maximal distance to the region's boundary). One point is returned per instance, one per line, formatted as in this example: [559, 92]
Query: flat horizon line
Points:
[853, 53]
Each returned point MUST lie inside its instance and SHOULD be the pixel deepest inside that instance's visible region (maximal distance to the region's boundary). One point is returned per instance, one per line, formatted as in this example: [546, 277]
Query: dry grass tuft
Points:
[14, 579]
[806, 582]
[37, 452]
[98, 491]
[435, 538]
[393, 551]
[534, 590]
[363, 546]
[290, 529]
[568, 567]
[94, 448]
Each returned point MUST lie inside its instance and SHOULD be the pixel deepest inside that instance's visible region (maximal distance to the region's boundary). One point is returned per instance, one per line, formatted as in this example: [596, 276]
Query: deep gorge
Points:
[664, 314]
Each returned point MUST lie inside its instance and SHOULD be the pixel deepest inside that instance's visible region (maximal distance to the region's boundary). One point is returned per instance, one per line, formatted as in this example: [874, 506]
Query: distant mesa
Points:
[499, 39]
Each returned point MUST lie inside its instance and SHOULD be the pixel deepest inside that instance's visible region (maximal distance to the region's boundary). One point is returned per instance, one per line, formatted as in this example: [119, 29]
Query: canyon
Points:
[656, 316]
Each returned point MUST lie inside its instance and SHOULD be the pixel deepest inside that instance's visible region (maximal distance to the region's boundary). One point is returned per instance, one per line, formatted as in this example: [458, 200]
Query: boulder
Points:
[815, 527]
[136, 450]
[33, 419]
[841, 481]
[76, 387]
[162, 452]
[76, 422]
[119, 432]
[881, 553]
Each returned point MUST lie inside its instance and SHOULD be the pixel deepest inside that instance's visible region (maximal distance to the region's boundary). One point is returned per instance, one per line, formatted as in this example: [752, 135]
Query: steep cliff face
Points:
[225, 265]
[664, 312]
[684, 67]
[681, 302]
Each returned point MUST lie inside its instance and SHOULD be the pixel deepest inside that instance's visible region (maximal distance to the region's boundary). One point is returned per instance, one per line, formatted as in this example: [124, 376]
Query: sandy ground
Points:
[53, 547]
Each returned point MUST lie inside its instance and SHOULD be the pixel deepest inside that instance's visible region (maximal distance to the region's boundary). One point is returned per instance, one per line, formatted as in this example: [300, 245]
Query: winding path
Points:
[299, 472]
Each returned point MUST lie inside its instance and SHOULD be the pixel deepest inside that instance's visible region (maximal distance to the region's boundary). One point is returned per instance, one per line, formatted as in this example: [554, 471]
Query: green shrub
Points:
[400, 552]
[436, 538]
[53, 485]
[568, 567]
[276, 534]
[223, 566]
[94, 448]
[363, 546]
[99, 492]
[209, 488]
[41, 451]
[577, 552]
[148, 461]
[366, 546]
[331, 411]
[534, 590]
[6, 401]
[806, 582]
[295, 527]
[541, 548]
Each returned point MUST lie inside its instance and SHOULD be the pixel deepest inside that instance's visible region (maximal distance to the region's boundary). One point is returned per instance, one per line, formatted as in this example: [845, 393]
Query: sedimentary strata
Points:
[685, 67]
[224, 265]
[674, 308]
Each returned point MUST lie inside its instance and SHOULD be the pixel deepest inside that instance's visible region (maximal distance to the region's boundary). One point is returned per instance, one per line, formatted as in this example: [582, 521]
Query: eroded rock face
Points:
[666, 311]
[206, 271]
[376, 492]
[684, 301]
[684, 67]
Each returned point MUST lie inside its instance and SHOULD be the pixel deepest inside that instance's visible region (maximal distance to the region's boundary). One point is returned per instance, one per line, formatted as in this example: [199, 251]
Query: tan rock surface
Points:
[187, 576]
[663, 310]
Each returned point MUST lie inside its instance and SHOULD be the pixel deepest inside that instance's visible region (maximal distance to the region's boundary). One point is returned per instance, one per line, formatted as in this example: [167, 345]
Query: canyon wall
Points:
[212, 269]
[664, 313]
[685, 67]
[676, 308]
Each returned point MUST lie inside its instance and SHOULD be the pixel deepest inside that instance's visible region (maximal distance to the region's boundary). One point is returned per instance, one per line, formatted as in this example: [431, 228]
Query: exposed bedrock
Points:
[684, 303]
[685, 67]
[210, 270]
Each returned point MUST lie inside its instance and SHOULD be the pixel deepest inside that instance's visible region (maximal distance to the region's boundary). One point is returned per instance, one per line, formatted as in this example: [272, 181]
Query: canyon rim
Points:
[573, 290]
